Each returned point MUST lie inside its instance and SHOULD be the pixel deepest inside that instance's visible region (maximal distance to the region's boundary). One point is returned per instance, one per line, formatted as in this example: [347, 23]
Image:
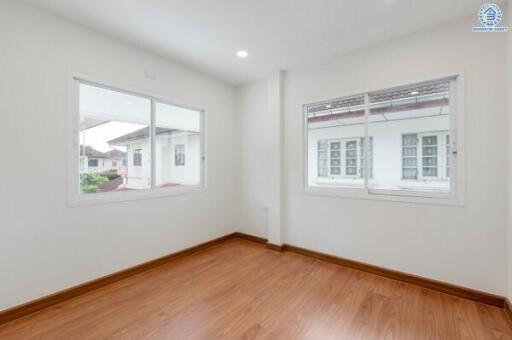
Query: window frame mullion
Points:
[366, 142]
[153, 144]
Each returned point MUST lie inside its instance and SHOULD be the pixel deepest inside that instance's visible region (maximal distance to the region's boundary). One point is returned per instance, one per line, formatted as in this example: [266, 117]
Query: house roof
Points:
[115, 154]
[415, 97]
[139, 134]
[91, 153]
[90, 122]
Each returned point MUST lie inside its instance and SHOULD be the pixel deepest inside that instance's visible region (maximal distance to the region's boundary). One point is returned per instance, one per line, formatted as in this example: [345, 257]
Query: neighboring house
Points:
[409, 143]
[116, 159]
[92, 161]
[177, 158]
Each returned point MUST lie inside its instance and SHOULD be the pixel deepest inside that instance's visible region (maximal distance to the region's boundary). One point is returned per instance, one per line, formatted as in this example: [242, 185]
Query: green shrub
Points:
[111, 175]
[91, 183]
[90, 189]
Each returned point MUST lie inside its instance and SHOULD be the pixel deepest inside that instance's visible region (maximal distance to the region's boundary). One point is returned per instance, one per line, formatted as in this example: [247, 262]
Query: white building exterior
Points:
[169, 170]
[177, 159]
[408, 133]
[387, 153]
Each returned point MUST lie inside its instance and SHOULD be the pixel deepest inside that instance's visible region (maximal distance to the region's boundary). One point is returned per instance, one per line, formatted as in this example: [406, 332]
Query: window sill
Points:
[339, 182]
[414, 197]
[116, 197]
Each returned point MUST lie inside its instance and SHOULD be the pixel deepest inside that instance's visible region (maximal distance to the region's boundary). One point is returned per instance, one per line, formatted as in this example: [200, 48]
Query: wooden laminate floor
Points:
[241, 290]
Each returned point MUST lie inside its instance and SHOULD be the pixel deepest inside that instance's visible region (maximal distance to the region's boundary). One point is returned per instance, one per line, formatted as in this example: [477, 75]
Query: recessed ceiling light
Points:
[242, 54]
[413, 93]
[328, 106]
[128, 102]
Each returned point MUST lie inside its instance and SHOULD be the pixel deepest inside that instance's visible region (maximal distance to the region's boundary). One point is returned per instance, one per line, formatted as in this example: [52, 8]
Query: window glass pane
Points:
[407, 124]
[323, 159]
[409, 159]
[429, 158]
[429, 150]
[137, 157]
[370, 157]
[335, 158]
[351, 158]
[409, 162]
[177, 146]
[335, 171]
[323, 145]
[409, 151]
[429, 161]
[410, 140]
[179, 155]
[334, 149]
[410, 173]
[112, 125]
[429, 171]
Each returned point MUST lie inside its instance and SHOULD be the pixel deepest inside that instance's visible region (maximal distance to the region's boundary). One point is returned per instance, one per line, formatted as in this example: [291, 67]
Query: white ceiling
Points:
[278, 34]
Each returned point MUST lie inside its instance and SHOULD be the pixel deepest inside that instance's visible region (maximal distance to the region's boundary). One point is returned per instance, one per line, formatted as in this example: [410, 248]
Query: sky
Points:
[126, 113]
[97, 137]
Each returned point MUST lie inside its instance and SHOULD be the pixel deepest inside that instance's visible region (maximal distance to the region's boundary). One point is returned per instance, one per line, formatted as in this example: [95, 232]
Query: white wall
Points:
[46, 246]
[462, 245]
[260, 122]
[254, 162]
[508, 15]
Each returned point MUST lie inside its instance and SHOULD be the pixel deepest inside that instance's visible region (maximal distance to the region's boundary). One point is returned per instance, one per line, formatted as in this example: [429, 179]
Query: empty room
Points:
[271, 169]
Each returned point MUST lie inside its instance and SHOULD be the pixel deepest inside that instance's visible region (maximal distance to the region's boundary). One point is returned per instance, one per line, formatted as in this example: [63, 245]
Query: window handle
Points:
[453, 148]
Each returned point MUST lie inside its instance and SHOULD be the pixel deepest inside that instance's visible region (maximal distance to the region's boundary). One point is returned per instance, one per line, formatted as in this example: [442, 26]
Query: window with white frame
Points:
[342, 158]
[409, 130]
[141, 133]
[179, 155]
[137, 157]
[426, 155]
[363, 159]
